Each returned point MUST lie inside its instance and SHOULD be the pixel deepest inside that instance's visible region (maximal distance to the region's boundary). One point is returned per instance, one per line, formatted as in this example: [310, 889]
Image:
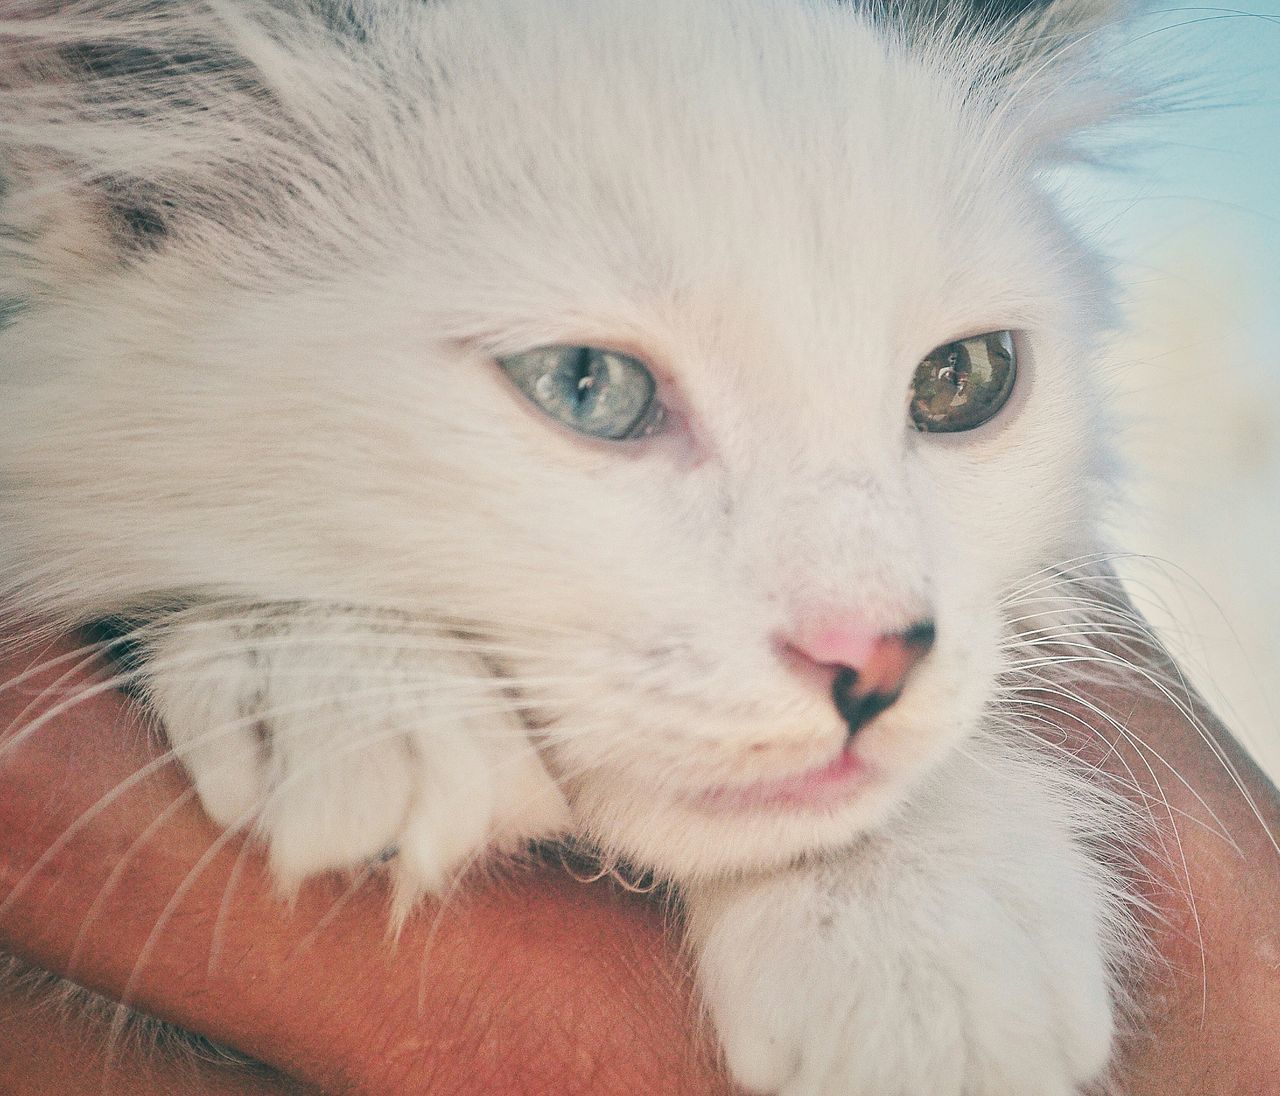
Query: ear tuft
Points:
[1040, 63]
[1080, 16]
[1063, 18]
[1045, 27]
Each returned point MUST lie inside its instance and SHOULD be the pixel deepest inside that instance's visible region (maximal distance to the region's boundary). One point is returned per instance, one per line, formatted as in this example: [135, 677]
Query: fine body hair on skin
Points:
[59, 1001]
[669, 425]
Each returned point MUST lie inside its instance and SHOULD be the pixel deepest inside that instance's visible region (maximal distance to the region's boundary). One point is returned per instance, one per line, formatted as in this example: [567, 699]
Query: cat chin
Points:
[684, 839]
[685, 821]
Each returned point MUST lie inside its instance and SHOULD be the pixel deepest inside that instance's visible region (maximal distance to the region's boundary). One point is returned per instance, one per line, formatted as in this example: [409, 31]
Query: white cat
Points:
[633, 419]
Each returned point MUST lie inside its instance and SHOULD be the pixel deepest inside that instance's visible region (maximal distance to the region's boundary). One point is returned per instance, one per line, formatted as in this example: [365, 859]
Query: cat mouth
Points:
[824, 786]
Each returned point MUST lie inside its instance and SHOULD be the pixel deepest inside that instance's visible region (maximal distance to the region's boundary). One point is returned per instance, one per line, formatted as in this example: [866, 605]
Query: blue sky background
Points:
[1213, 168]
[1194, 223]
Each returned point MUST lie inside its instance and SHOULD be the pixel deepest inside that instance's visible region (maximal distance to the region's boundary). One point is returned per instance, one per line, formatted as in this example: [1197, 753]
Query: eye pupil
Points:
[586, 376]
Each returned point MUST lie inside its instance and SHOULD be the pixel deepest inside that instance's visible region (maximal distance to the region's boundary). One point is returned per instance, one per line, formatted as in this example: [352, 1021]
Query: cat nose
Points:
[866, 669]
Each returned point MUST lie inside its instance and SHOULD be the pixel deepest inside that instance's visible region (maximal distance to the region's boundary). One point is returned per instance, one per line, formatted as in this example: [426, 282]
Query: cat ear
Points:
[1072, 18]
[1011, 34]
[1042, 29]
[1044, 62]
[1045, 21]
[1057, 65]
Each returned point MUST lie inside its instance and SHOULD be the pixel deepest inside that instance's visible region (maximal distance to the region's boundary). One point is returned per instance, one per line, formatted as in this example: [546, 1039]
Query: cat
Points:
[647, 423]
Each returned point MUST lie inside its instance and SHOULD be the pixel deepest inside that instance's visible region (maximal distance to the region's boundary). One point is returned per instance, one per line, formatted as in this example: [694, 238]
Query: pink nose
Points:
[868, 669]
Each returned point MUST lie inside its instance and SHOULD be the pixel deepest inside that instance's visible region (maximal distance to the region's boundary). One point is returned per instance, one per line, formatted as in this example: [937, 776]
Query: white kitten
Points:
[293, 380]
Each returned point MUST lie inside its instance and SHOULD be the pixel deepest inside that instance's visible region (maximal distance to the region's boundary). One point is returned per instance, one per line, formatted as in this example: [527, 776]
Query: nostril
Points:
[864, 669]
[861, 693]
[857, 706]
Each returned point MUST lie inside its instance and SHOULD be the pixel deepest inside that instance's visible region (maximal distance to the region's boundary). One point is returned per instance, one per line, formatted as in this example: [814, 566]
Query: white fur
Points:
[950, 953]
[284, 413]
[339, 742]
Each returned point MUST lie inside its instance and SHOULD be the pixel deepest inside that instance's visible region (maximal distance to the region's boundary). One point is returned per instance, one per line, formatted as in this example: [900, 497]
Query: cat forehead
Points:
[755, 153]
[772, 203]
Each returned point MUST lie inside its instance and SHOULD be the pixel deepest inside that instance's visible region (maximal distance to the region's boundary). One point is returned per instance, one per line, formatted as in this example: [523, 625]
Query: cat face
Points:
[778, 210]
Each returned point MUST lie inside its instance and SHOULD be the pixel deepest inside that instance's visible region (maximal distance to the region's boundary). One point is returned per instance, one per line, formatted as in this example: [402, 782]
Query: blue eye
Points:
[597, 392]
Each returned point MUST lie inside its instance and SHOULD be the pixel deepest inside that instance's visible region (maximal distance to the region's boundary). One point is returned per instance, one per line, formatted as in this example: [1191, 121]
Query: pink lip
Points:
[822, 786]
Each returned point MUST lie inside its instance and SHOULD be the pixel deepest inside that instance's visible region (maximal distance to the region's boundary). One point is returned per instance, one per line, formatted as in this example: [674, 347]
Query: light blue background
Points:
[1212, 168]
[1195, 225]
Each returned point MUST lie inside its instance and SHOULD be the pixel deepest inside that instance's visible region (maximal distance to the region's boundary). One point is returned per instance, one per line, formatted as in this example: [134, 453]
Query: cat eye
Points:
[601, 393]
[963, 384]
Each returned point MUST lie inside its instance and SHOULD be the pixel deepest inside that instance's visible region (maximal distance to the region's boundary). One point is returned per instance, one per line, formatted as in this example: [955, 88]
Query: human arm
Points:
[534, 983]
[595, 968]
[1209, 1005]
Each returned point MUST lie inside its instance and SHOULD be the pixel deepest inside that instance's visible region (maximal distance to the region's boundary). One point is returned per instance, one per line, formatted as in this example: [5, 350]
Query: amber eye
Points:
[963, 384]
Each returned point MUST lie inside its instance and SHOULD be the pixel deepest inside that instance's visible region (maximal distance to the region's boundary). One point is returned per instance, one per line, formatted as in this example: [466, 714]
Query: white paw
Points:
[336, 744]
[919, 965]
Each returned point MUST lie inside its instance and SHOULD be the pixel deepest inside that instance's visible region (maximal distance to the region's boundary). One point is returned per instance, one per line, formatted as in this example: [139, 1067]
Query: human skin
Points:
[533, 982]
[527, 984]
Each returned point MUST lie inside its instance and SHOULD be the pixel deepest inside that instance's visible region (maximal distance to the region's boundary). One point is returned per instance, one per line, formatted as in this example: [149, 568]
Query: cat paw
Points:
[843, 1012]
[337, 747]
[914, 967]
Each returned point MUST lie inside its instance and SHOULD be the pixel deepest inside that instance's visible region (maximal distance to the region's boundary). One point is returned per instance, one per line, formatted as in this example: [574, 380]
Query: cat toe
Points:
[324, 813]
